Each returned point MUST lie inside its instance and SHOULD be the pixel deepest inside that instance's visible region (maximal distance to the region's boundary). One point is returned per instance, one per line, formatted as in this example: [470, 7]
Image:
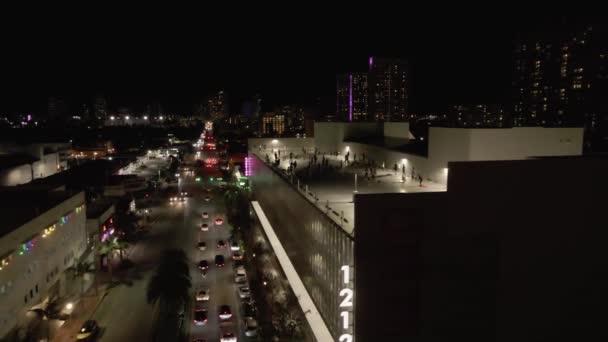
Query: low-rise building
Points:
[22, 163]
[42, 234]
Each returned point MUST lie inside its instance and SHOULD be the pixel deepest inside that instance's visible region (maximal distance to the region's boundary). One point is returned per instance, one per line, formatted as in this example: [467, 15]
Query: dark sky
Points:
[292, 57]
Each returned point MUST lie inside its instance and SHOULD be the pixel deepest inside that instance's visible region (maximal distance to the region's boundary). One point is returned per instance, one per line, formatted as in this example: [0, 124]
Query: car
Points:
[240, 276]
[202, 245]
[237, 256]
[224, 312]
[244, 292]
[228, 336]
[184, 193]
[221, 244]
[200, 317]
[208, 189]
[204, 227]
[203, 265]
[207, 198]
[234, 246]
[202, 294]
[251, 327]
[182, 199]
[219, 260]
[89, 330]
[205, 215]
[219, 221]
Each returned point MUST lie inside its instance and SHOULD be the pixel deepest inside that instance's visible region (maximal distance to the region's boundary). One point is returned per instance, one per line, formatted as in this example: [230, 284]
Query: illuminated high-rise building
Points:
[388, 89]
[217, 107]
[561, 80]
[272, 124]
[294, 118]
[351, 96]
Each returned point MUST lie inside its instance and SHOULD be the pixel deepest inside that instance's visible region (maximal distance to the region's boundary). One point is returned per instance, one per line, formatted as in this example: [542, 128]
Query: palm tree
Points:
[170, 285]
[80, 269]
[108, 247]
[120, 246]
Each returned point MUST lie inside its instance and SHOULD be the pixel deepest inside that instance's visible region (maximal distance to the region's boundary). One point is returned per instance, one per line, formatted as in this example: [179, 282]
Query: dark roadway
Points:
[124, 314]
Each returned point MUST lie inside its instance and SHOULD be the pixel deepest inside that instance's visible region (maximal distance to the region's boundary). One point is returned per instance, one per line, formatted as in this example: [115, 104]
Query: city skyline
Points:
[451, 61]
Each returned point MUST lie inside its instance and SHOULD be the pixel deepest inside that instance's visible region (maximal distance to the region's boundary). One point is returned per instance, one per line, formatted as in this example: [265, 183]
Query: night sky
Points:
[290, 58]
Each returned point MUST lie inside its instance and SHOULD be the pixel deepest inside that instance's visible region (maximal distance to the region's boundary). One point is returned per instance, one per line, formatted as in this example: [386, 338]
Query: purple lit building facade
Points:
[388, 88]
[351, 96]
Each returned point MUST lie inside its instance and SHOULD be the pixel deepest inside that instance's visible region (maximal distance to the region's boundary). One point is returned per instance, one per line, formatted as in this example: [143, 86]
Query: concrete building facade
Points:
[41, 238]
[445, 144]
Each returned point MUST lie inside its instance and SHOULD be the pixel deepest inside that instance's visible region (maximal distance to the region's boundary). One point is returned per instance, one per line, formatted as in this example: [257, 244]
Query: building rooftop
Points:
[333, 192]
[19, 205]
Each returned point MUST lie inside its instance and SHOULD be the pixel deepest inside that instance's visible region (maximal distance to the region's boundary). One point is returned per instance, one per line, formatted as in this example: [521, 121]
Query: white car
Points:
[205, 215]
[234, 246]
[244, 292]
[202, 294]
[204, 227]
[228, 336]
[240, 276]
[251, 327]
[207, 198]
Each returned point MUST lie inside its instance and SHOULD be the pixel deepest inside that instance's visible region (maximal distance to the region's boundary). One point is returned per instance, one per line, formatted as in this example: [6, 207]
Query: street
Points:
[124, 314]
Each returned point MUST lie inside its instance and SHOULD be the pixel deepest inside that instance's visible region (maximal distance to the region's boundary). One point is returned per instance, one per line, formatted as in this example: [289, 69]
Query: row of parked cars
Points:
[203, 295]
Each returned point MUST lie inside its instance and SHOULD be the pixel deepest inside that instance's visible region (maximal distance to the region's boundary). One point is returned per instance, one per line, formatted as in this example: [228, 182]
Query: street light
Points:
[145, 117]
[112, 118]
[69, 306]
[127, 117]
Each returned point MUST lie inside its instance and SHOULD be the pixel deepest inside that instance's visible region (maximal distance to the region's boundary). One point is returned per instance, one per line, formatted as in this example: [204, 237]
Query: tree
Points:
[80, 269]
[291, 323]
[108, 247]
[170, 284]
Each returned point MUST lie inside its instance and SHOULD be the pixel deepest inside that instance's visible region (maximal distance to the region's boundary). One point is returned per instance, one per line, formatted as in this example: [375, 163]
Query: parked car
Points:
[244, 292]
[240, 276]
[234, 246]
[251, 327]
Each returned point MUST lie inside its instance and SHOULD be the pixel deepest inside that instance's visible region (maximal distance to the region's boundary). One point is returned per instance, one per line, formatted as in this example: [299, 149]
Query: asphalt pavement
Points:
[124, 315]
[219, 280]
